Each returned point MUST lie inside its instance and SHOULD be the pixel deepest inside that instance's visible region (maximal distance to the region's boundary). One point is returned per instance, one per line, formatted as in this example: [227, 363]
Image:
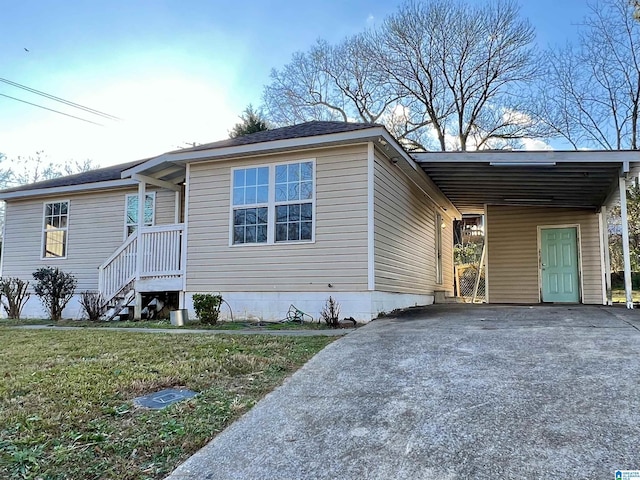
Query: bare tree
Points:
[591, 96]
[328, 83]
[5, 171]
[440, 74]
[463, 67]
[37, 168]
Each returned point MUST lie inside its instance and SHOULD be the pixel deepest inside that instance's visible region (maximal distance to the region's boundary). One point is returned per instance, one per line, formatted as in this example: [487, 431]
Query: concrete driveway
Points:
[450, 392]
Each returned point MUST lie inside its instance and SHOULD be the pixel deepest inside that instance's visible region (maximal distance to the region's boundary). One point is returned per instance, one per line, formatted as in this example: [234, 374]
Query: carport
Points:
[560, 198]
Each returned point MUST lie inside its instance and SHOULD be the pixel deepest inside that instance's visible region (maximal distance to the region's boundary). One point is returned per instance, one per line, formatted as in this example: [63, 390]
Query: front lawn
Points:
[237, 325]
[618, 296]
[66, 409]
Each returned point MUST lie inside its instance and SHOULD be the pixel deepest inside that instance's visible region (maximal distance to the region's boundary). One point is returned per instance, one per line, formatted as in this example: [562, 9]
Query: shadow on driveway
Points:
[450, 392]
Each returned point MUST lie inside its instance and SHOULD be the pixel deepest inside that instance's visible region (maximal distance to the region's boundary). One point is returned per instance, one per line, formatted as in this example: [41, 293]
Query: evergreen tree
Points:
[252, 122]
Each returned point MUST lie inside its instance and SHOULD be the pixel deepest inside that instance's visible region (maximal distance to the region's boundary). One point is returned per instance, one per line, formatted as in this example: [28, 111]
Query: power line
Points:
[61, 100]
[50, 109]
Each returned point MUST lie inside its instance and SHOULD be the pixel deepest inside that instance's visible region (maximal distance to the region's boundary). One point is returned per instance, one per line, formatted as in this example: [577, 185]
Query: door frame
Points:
[578, 252]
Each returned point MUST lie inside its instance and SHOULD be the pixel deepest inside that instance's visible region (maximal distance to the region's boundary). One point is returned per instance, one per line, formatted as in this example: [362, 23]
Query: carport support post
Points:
[622, 187]
[604, 227]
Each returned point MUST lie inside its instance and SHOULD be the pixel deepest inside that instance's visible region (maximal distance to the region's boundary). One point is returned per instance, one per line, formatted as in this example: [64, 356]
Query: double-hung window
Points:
[250, 205]
[131, 212]
[294, 201]
[273, 203]
[55, 229]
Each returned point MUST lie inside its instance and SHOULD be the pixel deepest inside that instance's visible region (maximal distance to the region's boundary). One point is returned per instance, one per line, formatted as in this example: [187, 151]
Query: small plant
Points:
[14, 291]
[93, 304]
[55, 288]
[207, 307]
[331, 312]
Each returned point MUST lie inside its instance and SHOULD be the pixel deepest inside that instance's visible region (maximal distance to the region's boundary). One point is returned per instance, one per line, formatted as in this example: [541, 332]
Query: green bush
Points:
[207, 307]
[469, 253]
[55, 288]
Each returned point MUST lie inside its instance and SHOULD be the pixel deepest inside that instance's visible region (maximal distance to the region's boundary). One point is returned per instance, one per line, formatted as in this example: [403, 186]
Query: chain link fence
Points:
[466, 281]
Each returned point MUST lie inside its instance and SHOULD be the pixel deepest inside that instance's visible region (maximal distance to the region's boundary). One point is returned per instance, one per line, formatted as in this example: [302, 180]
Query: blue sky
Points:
[175, 71]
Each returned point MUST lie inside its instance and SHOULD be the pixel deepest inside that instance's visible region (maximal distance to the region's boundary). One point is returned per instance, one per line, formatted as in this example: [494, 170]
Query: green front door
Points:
[559, 255]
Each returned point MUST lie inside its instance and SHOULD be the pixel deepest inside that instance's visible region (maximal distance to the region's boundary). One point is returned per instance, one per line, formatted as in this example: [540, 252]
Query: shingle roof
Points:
[308, 129]
[92, 176]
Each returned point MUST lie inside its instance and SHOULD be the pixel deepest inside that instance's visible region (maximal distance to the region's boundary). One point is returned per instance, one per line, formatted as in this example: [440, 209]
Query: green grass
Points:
[66, 409]
[238, 325]
[618, 296]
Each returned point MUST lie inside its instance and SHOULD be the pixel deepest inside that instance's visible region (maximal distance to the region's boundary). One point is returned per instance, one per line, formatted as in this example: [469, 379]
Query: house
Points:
[297, 214]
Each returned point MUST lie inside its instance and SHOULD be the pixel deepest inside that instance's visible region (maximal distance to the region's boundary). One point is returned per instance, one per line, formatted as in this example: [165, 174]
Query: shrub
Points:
[14, 291]
[55, 288]
[93, 304]
[468, 253]
[331, 312]
[207, 307]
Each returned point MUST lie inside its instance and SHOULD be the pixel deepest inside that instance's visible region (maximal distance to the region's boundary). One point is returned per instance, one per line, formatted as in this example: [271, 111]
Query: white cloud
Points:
[535, 144]
[371, 19]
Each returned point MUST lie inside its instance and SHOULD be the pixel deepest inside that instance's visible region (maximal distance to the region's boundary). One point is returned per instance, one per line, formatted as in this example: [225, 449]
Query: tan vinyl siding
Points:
[447, 257]
[165, 206]
[337, 257]
[512, 252]
[404, 220]
[96, 230]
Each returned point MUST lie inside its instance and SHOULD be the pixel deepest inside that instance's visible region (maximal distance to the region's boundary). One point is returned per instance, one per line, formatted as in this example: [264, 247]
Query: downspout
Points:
[371, 165]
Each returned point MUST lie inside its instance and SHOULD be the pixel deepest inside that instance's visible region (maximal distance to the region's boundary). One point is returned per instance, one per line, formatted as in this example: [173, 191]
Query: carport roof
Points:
[585, 179]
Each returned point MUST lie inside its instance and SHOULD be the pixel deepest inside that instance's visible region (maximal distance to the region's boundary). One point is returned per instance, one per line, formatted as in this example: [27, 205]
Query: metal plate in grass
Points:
[163, 398]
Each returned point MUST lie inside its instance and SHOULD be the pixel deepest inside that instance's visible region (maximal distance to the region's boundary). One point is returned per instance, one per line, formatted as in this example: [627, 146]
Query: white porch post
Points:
[137, 308]
[622, 187]
[176, 213]
[606, 266]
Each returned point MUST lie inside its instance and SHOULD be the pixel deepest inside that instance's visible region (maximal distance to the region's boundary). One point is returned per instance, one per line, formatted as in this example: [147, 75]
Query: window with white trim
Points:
[131, 212]
[55, 229]
[273, 204]
[294, 201]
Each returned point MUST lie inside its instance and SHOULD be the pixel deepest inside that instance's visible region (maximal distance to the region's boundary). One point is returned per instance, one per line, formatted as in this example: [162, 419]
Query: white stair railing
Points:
[160, 250]
[119, 269]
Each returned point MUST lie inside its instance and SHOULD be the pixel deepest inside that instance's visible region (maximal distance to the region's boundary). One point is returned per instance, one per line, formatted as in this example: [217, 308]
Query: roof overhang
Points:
[578, 179]
[173, 164]
[67, 189]
[166, 160]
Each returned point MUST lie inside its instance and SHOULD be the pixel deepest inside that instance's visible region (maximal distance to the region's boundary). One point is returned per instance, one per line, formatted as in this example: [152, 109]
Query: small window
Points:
[55, 229]
[273, 203]
[131, 213]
